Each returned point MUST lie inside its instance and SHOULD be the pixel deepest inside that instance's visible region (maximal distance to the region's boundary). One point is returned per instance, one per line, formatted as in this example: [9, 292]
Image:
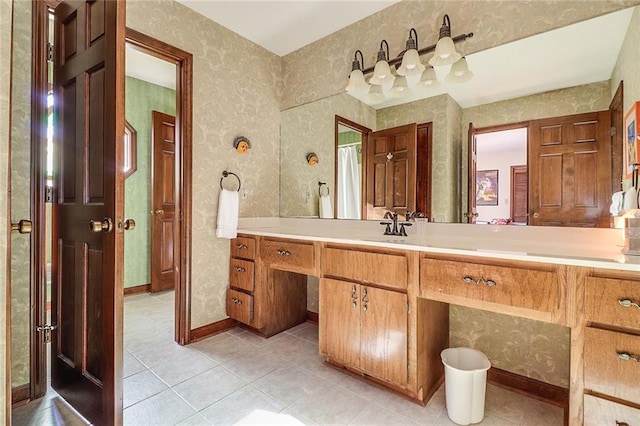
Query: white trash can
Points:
[465, 384]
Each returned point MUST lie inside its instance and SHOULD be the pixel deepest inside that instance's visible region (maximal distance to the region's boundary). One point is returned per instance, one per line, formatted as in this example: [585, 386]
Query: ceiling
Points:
[578, 54]
[285, 26]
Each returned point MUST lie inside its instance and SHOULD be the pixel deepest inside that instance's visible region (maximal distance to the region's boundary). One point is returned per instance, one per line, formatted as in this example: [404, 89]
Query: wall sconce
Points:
[408, 64]
[241, 144]
[312, 159]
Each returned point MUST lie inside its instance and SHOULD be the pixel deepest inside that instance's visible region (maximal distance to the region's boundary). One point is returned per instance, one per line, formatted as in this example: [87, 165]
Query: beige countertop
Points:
[599, 248]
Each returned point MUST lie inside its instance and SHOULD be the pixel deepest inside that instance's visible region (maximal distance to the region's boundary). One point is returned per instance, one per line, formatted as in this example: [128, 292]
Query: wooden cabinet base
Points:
[283, 301]
[418, 398]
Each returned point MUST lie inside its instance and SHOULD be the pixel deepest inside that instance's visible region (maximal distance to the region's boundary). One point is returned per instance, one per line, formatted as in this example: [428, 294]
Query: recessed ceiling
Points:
[285, 26]
[149, 68]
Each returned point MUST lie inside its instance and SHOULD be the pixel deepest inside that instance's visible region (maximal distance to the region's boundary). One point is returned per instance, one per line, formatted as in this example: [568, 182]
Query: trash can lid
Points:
[465, 359]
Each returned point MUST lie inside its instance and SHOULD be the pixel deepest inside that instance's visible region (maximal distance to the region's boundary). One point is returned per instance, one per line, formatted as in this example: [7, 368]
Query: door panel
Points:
[391, 171]
[86, 367]
[163, 200]
[570, 170]
[339, 328]
[384, 334]
[519, 194]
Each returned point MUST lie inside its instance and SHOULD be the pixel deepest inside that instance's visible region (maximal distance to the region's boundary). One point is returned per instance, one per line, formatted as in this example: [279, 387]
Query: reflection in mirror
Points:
[350, 139]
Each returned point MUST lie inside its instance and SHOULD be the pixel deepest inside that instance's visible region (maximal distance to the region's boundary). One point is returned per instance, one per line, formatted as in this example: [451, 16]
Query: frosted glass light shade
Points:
[411, 64]
[445, 53]
[375, 95]
[356, 82]
[459, 72]
[381, 73]
[400, 88]
[428, 80]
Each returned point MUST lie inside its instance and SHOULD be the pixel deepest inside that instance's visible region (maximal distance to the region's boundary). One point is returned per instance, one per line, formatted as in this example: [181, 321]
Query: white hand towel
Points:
[630, 199]
[227, 226]
[616, 203]
[326, 209]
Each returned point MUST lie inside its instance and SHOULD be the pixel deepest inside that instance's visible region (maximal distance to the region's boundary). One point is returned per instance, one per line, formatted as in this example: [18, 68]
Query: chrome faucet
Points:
[394, 231]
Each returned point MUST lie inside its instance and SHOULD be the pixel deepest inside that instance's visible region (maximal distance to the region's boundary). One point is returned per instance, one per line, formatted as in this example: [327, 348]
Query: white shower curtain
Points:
[348, 183]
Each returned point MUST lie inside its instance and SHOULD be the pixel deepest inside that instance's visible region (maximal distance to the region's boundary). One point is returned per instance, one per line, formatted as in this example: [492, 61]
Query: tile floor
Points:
[237, 377]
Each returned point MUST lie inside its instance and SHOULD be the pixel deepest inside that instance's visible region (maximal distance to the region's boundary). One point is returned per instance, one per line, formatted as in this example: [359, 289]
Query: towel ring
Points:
[226, 174]
[320, 185]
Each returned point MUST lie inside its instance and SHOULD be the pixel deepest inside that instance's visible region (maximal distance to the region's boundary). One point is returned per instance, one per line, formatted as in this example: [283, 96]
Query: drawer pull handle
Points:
[626, 303]
[354, 297]
[236, 301]
[239, 269]
[628, 357]
[241, 246]
[481, 280]
[283, 252]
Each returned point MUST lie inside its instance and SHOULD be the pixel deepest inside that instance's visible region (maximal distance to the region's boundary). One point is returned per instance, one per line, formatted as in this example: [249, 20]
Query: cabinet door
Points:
[339, 326]
[383, 334]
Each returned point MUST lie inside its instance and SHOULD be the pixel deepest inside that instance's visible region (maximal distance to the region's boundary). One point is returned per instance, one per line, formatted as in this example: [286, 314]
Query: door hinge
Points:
[49, 52]
[614, 131]
[47, 328]
[48, 194]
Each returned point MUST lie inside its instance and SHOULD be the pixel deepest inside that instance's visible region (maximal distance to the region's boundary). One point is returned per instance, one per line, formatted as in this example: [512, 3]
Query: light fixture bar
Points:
[424, 50]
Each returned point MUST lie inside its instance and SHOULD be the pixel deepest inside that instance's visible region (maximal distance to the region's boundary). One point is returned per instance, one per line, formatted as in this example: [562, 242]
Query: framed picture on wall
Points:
[631, 138]
[487, 188]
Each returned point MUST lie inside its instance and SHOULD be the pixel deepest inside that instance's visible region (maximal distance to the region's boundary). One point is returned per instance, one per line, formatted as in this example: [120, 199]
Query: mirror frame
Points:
[363, 186]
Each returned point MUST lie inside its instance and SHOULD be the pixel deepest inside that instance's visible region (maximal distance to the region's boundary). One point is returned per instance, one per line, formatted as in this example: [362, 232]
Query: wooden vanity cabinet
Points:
[267, 292]
[240, 296]
[363, 323]
[612, 348]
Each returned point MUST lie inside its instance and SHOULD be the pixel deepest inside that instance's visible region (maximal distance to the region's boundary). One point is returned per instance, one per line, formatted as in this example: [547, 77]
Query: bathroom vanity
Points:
[384, 301]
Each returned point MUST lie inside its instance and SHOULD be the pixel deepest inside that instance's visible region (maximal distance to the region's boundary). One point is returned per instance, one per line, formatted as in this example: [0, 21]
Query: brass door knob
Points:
[536, 215]
[104, 225]
[129, 225]
[23, 227]
[158, 211]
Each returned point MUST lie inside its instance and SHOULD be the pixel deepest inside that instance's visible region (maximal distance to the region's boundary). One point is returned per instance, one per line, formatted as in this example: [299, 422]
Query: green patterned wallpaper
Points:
[140, 99]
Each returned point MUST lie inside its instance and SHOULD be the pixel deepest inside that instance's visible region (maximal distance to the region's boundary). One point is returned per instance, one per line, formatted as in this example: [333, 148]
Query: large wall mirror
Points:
[516, 99]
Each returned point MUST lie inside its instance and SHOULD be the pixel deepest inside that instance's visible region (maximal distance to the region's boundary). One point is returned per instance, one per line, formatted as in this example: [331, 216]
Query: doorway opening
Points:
[501, 177]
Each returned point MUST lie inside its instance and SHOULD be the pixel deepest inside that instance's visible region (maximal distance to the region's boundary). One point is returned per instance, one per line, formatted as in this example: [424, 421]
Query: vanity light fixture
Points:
[382, 72]
[375, 95]
[356, 78]
[445, 53]
[411, 64]
[428, 80]
[459, 72]
[400, 87]
[408, 64]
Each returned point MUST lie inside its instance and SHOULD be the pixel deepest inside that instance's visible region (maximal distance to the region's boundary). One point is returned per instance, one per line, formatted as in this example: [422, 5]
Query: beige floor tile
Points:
[290, 417]
[306, 331]
[505, 404]
[195, 420]
[141, 386]
[254, 366]
[374, 415]
[538, 412]
[368, 391]
[184, 368]
[330, 405]
[402, 405]
[165, 408]
[131, 365]
[249, 337]
[209, 387]
[291, 348]
[162, 352]
[247, 405]
[288, 384]
[224, 347]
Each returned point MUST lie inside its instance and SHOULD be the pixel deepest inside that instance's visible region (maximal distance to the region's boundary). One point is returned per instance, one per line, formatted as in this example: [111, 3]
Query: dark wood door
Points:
[570, 170]
[519, 194]
[471, 212]
[86, 351]
[391, 171]
[163, 201]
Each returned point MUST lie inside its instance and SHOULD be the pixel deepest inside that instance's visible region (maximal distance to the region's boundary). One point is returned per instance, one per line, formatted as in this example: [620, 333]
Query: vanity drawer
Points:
[385, 269]
[611, 301]
[243, 247]
[604, 369]
[512, 286]
[241, 274]
[289, 255]
[598, 411]
[240, 306]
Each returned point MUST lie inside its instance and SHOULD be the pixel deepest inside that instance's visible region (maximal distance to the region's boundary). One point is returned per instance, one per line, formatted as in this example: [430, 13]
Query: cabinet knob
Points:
[241, 246]
[239, 269]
